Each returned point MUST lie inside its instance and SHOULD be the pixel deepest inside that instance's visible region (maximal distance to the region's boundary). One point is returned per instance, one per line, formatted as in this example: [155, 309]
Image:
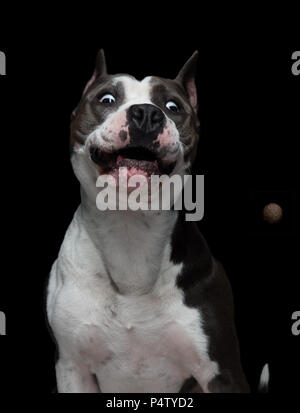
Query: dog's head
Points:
[148, 126]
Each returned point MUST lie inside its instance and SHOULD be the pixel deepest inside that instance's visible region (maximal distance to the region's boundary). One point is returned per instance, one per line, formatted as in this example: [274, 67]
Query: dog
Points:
[135, 299]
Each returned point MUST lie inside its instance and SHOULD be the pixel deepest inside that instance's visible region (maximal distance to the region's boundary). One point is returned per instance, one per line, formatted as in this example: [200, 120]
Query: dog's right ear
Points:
[100, 69]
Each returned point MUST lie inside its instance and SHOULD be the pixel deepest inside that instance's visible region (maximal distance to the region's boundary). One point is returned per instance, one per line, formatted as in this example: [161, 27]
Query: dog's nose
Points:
[146, 118]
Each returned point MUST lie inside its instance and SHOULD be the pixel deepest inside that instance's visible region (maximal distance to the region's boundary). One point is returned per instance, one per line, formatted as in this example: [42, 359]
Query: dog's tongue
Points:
[137, 167]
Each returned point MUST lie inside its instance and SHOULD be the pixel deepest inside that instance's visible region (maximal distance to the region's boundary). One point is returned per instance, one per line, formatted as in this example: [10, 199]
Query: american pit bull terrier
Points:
[136, 301]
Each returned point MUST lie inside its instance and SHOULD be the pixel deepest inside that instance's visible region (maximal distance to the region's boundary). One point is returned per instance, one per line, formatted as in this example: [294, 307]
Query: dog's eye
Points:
[107, 99]
[172, 106]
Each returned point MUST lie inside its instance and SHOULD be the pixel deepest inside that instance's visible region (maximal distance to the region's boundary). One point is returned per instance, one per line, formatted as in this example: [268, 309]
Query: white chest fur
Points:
[149, 342]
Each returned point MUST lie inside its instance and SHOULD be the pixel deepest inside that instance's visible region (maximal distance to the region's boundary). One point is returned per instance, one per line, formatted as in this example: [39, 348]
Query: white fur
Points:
[264, 377]
[136, 92]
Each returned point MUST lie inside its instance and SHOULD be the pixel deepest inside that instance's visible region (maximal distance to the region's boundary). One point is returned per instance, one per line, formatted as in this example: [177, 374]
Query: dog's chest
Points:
[148, 342]
[142, 344]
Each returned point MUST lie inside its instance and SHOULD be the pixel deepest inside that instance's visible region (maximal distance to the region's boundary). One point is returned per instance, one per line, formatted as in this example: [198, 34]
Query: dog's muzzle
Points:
[143, 151]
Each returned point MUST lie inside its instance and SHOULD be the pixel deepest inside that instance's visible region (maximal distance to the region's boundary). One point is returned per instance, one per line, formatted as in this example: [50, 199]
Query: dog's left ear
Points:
[186, 77]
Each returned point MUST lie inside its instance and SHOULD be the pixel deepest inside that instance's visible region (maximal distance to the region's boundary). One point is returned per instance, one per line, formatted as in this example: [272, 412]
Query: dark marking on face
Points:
[154, 146]
[106, 139]
[185, 119]
[90, 112]
[123, 135]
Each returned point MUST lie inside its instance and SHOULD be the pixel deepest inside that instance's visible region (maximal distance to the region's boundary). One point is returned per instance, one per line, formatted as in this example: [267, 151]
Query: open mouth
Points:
[137, 160]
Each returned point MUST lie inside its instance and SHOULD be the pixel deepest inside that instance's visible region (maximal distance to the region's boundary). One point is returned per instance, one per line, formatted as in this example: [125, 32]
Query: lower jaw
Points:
[125, 169]
[131, 178]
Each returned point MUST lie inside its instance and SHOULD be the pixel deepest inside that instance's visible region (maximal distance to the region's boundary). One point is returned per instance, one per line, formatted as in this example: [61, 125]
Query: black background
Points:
[249, 113]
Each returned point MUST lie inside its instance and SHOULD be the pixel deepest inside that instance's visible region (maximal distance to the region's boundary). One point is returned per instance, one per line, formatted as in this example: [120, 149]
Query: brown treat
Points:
[272, 213]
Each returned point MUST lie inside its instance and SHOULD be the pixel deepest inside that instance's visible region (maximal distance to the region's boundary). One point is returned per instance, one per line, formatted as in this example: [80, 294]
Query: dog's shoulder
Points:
[205, 287]
[202, 279]
[188, 247]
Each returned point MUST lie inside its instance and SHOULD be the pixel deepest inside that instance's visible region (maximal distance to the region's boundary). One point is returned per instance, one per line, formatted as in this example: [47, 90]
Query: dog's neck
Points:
[134, 245]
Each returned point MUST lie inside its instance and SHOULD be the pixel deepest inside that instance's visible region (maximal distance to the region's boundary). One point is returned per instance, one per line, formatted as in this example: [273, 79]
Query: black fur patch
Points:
[205, 287]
